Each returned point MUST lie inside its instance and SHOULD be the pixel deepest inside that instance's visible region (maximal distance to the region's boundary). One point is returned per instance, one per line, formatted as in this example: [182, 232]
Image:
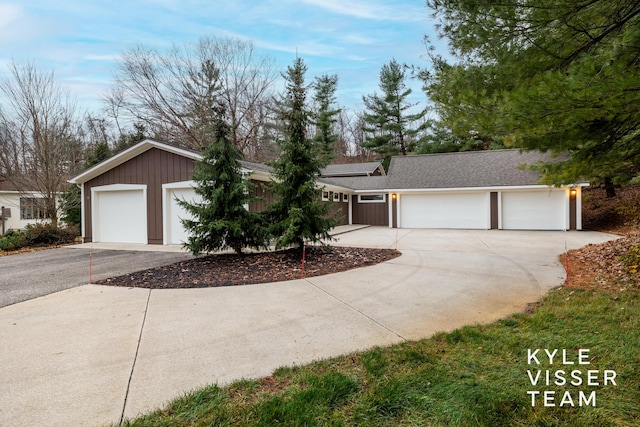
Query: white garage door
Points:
[534, 210]
[445, 210]
[120, 216]
[176, 233]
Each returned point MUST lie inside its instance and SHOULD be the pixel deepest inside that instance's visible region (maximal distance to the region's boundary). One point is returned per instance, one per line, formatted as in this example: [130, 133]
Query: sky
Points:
[82, 40]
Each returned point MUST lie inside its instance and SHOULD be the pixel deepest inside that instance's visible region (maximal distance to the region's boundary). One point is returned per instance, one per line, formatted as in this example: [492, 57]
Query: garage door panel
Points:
[120, 217]
[177, 234]
[534, 210]
[463, 211]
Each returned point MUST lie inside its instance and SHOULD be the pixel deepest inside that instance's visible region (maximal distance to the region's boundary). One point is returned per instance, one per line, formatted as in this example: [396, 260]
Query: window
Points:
[336, 197]
[32, 208]
[372, 198]
[345, 197]
[325, 196]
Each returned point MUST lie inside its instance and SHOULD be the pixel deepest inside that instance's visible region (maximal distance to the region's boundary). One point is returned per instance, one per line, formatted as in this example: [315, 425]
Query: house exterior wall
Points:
[340, 209]
[261, 190]
[370, 213]
[152, 168]
[11, 200]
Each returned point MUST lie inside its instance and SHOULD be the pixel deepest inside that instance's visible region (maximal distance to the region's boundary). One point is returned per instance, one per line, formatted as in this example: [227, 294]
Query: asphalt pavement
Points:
[34, 274]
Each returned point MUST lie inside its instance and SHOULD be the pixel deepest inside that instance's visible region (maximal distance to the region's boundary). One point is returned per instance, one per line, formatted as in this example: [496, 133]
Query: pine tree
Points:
[389, 126]
[298, 214]
[220, 219]
[545, 75]
[325, 117]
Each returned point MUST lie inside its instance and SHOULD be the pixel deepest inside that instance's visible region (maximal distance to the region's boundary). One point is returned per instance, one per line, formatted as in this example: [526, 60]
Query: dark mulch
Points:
[232, 269]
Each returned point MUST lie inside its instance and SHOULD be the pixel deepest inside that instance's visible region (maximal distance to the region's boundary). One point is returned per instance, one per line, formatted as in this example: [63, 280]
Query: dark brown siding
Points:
[152, 168]
[370, 213]
[572, 210]
[394, 210]
[261, 190]
[339, 210]
[494, 210]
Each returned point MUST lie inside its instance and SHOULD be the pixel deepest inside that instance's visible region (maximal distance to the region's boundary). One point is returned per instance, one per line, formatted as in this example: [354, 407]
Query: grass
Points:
[475, 375]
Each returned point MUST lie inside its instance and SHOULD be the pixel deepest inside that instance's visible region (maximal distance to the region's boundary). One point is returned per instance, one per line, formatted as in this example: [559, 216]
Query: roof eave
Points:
[127, 155]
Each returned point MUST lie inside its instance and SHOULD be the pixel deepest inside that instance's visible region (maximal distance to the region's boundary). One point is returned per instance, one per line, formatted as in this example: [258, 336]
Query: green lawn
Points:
[476, 375]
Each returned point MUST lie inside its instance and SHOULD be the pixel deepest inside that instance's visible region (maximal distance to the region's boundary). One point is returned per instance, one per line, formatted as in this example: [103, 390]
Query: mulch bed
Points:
[233, 269]
[604, 266]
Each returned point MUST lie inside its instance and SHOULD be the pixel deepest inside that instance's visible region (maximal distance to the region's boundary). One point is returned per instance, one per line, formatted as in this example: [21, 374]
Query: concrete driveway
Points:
[34, 274]
[92, 354]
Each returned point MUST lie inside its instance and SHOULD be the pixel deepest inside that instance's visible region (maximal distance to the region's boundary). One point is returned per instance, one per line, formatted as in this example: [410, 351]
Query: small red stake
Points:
[304, 255]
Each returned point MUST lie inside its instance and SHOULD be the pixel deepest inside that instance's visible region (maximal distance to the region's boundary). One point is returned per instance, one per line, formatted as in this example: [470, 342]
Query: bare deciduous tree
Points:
[38, 147]
[172, 92]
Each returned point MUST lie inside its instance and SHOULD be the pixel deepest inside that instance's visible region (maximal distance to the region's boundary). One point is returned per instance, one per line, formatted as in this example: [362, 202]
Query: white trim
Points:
[336, 196]
[165, 205]
[323, 197]
[468, 189]
[384, 198]
[83, 221]
[95, 235]
[345, 196]
[129, 154]
[499, 210]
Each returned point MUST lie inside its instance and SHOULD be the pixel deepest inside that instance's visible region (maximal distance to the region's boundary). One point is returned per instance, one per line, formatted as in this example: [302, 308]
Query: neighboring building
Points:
[131, 196]
[19, 208]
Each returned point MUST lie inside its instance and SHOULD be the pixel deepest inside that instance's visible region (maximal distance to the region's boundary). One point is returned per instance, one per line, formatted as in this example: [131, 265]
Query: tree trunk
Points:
[609, 188]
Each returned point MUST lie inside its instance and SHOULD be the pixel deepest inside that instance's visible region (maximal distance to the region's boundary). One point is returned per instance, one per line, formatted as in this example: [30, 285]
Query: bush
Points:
[47, 234]
[12, 240]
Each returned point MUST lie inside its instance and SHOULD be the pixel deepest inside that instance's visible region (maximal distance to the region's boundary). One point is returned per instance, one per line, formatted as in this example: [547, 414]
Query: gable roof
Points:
[147, 144]
[352, 169]
[468, 169]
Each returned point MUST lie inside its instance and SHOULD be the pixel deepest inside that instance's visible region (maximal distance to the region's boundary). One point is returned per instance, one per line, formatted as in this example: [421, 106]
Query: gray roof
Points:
[363, 183]
[256, 167]
[351, 169]
[493, 168]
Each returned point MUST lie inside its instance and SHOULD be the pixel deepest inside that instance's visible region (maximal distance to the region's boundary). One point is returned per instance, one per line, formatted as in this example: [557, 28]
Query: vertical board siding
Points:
[370, 213]
[339, 210]
[152, 168]
[261, 190]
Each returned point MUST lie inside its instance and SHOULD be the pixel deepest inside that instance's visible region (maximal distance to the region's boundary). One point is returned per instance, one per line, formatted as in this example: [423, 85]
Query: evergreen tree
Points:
[390, 128]
[546, 75]
[220, 219]
[298, 214]
[325, 117]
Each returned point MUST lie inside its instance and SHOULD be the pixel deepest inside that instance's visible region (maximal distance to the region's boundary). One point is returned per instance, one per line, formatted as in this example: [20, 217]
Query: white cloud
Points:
[9, 14]
[365, 10]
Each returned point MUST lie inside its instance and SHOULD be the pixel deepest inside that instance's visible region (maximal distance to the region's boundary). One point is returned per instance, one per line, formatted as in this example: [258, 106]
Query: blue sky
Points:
[81, 40]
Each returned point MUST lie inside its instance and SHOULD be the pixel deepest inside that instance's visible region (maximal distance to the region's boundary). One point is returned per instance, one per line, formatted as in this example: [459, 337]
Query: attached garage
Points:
[535, 210]
[468, 210]
[119, 213]
[175, 233]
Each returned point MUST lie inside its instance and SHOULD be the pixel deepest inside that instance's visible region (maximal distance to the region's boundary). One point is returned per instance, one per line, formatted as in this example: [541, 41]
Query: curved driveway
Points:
[35, 274]
[88, 355]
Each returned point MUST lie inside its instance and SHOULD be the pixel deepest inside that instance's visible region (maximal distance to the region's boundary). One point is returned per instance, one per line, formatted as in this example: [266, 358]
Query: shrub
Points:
[47, 234]
[12, 240]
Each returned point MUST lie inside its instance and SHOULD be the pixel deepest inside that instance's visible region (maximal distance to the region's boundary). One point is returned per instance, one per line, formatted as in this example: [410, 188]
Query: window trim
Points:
[325, 196]
[345, 197]
[382, 200]
[336, 197]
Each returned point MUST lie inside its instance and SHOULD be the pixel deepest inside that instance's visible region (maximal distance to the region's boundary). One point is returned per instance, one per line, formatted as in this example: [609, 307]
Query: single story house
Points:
[19, 208]
[131, 197]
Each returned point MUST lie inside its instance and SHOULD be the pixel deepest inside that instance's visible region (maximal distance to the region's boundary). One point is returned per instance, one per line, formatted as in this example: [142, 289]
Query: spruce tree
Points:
[298, 214]
[324, 117]
[221, 220]
[389, 126]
